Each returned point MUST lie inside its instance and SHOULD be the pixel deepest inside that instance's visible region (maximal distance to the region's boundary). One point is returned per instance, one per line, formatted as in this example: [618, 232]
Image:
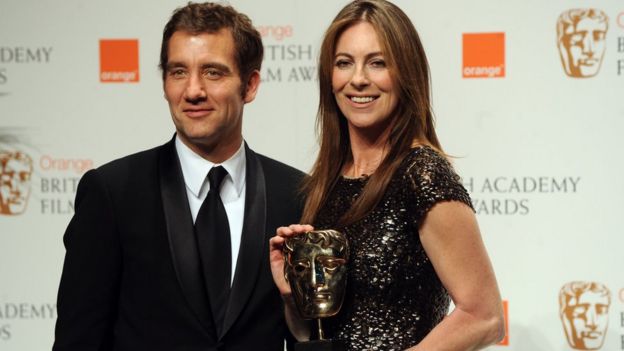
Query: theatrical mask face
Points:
[316, 271]
[15, 174]
[585, 320]
[582, 45]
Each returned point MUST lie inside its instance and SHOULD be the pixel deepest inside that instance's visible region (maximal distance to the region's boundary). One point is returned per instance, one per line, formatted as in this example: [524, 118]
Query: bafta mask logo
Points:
[581, 35]
[15, 172]
[316, 271]
[584, 312]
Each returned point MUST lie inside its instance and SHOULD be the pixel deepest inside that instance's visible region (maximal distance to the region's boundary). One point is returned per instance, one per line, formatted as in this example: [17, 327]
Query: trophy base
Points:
[320, 345]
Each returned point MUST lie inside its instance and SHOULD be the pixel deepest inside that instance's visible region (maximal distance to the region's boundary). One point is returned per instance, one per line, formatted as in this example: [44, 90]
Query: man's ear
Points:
[252, 87]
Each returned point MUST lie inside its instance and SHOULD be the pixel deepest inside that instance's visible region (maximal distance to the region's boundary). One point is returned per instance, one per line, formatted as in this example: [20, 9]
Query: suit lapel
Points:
[253, 244]
[181, 234]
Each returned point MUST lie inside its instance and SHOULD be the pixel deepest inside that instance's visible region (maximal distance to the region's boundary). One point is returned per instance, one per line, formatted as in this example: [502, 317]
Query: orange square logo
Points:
[505, 341]
[119, 60]
[483, 55]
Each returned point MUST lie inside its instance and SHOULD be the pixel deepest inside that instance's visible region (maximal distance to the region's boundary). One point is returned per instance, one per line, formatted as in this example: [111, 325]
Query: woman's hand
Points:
[277, 259]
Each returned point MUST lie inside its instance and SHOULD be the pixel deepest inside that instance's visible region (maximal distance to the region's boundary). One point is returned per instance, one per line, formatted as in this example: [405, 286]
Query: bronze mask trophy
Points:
[315, 267]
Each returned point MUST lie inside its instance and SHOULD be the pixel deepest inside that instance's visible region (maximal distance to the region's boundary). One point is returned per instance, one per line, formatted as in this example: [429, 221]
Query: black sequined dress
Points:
[394, 297]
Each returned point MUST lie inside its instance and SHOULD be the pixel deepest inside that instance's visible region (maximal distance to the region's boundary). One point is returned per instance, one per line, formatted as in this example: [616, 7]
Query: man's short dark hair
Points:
[197, 18]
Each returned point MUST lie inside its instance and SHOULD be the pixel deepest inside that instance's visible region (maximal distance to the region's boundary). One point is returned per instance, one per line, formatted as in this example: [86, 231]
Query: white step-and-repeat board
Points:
[529, 97]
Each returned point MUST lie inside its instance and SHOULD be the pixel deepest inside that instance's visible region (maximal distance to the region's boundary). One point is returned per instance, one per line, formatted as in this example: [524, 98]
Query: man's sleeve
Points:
[89, 287]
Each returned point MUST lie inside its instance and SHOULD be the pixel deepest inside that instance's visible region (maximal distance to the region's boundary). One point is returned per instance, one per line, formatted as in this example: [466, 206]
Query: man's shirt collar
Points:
[195, 169]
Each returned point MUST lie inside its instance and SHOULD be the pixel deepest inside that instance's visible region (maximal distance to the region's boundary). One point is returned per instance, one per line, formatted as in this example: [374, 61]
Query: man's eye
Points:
[213, 74]
[177, 73]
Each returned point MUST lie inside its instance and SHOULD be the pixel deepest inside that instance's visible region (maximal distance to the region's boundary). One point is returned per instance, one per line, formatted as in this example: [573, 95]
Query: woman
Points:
[381, 178]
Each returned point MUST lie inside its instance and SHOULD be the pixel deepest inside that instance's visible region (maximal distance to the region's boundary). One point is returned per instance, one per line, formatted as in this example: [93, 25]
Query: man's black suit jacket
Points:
[132, 276]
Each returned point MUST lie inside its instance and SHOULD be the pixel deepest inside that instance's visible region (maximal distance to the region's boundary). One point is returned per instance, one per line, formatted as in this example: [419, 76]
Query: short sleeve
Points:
[433, 180]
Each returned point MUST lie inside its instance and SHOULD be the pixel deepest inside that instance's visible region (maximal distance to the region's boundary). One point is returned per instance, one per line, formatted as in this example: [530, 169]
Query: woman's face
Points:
[361, 82]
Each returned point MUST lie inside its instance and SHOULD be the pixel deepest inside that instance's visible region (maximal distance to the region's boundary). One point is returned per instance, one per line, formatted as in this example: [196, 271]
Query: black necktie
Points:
[213, 237]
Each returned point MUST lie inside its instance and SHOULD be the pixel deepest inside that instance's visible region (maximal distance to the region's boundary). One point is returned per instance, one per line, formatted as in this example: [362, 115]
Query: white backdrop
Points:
[538, 150]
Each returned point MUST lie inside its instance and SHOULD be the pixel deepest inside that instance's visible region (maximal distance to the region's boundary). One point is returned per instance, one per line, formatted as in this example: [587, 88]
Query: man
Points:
[581, 37]
[15, 172]
[584, 312]
[139, 271]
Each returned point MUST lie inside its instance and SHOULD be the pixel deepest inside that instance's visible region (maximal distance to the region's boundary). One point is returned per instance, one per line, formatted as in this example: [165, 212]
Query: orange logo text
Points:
[119, 60]
[483, 55]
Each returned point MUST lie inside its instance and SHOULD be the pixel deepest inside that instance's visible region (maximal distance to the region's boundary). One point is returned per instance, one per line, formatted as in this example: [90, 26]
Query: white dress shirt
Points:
[195, 171]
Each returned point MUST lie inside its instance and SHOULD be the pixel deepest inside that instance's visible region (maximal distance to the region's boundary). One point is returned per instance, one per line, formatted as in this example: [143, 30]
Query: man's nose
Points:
[195, 89]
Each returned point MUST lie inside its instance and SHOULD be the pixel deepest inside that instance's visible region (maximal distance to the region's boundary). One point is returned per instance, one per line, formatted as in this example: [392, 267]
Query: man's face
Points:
[585, 320]
[584, 47]
[317, 277]
[14, 186]
[204, 90]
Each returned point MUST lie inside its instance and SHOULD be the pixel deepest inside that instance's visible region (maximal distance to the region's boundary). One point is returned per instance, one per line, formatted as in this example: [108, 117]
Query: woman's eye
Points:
[378, 63]
[342, 63]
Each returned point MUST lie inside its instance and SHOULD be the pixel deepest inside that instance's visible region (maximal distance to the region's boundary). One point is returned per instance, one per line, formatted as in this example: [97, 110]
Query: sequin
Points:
[394, 297]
